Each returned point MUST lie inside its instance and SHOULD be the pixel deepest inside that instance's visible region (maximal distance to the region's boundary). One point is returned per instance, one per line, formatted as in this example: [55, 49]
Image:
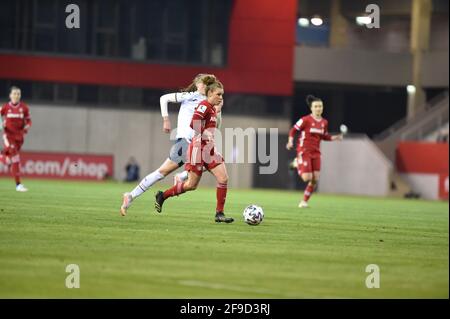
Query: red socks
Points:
[15, 170]
[174, 191]
[221, 193]
[308, 192]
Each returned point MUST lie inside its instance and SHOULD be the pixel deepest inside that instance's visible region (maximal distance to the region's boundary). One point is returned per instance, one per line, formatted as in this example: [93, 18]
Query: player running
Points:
[16, 122]
[202, 154]
[189, 99]
[312, 128]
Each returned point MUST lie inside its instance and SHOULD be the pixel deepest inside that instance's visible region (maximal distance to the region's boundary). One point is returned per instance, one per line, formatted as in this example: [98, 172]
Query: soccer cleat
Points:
[21, 188]
[126, 202]
[303, 204]
[220, 218]
[159, 200]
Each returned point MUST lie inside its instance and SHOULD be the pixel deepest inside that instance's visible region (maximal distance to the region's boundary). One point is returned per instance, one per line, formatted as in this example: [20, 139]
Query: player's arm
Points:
[296, 128]
[164, 102]
[198, 117]
[338, 137]
[2, 117]
[219, 120]
[219, 115]
[327, 137]
[27, 120]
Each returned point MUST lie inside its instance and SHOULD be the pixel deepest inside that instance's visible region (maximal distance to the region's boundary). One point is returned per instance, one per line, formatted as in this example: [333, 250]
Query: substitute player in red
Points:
[313, 128]
[16, 122]
[202, 153]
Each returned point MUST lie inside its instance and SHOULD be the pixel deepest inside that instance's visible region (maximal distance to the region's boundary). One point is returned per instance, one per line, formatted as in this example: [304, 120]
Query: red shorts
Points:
[11, 144]
[199, 156]
[308, 162]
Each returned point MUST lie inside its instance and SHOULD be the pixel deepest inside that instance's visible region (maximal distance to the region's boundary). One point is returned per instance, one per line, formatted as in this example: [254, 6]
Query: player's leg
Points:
[221, 175]
[305, 172]
[183, 176]
[190, 184]
[175, 160]
[15, 144]
[312, 182]
[4, 155]
[155, 176]
[194, 166]
[310, 188]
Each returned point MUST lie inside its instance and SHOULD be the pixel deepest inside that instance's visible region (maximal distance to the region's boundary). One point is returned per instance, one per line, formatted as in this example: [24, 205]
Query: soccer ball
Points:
[253, 215]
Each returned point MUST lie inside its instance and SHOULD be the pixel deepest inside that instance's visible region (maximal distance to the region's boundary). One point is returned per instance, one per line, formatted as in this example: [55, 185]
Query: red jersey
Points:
[16, 118]
[312, 131]
[205, 117]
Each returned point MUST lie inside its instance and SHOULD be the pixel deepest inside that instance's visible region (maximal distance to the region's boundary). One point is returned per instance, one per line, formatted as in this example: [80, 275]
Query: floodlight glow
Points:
[411, 89]
[316, 20]
[363, 20]
[303, 22]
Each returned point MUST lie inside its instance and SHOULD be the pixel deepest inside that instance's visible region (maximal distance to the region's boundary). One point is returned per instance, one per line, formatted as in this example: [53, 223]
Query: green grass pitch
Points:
[320, 252]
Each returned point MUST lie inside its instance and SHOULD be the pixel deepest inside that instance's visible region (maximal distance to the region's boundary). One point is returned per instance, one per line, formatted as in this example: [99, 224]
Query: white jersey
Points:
[189, 101]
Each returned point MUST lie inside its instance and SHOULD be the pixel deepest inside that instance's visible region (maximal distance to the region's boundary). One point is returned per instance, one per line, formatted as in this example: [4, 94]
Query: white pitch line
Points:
[218, 286]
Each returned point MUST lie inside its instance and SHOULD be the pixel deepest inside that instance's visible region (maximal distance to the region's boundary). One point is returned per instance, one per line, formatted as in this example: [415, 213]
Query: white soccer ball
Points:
[344, 129]
[253, 215]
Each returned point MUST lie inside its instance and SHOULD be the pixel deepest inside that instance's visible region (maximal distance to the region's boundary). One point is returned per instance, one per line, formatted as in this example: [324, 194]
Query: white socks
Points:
[146, 183]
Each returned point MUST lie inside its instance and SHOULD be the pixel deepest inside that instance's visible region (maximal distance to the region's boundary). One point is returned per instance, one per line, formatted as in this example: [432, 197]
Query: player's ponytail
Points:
[206, 79]
[310, 99]
[209, 79]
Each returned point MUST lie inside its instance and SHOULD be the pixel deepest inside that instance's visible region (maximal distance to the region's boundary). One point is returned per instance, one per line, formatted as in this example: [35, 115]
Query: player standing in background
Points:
[312, 128]
[189, 99]
[203, 154]
[16, 122]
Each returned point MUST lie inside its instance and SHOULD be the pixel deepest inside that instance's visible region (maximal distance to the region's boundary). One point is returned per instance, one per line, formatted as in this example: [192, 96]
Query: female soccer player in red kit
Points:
[16, 123]
[202, 153]
[313, 128]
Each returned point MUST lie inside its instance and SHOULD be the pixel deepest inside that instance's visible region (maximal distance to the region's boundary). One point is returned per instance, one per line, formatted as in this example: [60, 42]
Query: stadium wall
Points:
[354, 166]
[350, 66]
[125, 133]
[425, 167]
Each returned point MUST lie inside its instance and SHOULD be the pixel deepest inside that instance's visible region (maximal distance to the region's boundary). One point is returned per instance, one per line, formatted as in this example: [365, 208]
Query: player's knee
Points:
[164, 171]
[306, 177]
[222, 179]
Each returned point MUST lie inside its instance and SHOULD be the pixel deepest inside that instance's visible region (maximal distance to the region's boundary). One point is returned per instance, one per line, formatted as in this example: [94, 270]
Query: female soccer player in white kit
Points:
[189, 98]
